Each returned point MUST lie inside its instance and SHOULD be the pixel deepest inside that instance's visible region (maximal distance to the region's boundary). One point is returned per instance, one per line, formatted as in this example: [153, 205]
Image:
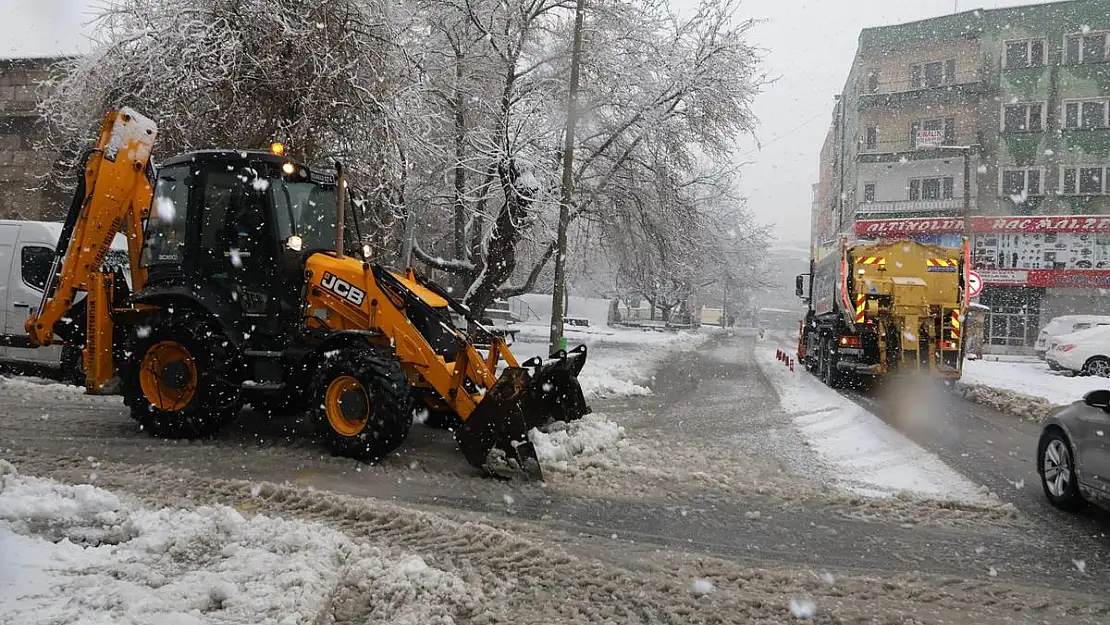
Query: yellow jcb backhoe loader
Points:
[242, 291]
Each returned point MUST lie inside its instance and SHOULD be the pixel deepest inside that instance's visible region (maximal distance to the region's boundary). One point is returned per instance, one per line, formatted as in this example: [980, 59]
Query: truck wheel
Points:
[177, 377]
[831, 375]
[361, 403]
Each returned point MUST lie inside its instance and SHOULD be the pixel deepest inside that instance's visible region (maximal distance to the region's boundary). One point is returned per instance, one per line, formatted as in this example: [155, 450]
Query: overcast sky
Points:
[808, 44]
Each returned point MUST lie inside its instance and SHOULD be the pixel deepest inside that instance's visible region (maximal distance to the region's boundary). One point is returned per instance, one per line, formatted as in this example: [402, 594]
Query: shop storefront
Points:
[1033, 267]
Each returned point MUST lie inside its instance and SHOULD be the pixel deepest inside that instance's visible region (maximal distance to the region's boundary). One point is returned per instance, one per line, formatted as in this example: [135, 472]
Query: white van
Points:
[26, 256]
[1066, 324]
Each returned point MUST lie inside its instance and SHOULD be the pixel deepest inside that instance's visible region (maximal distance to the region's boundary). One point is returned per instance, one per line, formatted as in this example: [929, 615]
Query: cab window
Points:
[34, 264]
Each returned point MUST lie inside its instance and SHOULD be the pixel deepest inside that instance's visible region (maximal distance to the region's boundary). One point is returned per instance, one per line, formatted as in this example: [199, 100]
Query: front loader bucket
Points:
[532, 395]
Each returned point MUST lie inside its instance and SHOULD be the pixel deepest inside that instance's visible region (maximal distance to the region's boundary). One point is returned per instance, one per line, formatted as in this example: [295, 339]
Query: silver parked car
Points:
[1073, 456]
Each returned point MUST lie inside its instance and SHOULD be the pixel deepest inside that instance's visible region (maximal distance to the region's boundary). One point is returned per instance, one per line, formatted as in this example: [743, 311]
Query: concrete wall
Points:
[893, 124]
[892, 179]
[892, 66]
[24, 192]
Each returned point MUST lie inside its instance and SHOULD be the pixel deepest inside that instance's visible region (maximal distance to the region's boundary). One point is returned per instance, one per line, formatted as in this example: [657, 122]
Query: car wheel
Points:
[1056, 465]
[1097, 366]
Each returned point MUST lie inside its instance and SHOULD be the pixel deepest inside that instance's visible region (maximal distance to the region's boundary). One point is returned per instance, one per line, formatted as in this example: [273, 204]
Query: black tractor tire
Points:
[194, 394]
[1050, 464]
[360, 402]
[73, 366]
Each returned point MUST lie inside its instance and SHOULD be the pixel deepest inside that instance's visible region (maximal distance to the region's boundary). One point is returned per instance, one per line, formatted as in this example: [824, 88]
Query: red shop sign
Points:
[1003, 224]
[1069, 278]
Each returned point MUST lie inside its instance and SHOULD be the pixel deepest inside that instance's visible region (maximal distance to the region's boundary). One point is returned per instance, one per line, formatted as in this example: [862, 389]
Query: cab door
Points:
[30, 267]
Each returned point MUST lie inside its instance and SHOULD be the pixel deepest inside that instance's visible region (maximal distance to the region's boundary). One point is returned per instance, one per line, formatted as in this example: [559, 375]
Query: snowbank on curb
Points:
[1034, 409]
[867, 455]
[82, 554]
[1028, 389]
[572, 447]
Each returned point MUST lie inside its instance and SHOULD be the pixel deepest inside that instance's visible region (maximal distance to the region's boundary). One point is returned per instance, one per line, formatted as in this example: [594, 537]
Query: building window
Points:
[933, 74]
[1088, 48]
[1021, 181]
[1023, 117]
[869, 192]
[873, 81]
[1081, 180]
[946, 125]
[1086, 114]
[932, 188]
[1027, 53]
[870, 138]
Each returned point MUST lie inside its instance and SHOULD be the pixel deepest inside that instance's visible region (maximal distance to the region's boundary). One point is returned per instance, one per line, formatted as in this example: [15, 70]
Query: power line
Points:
[785, 134]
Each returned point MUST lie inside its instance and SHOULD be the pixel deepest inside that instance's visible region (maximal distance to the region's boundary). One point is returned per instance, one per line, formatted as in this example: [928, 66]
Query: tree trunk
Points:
[460, 156]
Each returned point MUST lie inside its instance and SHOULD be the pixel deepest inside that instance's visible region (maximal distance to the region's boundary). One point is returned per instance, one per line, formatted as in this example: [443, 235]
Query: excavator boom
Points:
[112, 196]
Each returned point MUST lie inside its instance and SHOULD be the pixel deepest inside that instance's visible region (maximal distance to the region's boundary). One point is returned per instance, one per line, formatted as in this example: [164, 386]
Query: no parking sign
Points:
[974, 284]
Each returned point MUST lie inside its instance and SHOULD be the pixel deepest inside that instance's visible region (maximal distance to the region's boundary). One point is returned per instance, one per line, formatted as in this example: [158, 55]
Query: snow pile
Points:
[619, 363]
[1026, 388]
[868, 456]
[82, 554]
[581, 444]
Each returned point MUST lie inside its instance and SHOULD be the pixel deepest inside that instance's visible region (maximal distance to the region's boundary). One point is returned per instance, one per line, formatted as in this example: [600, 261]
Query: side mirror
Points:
[799, 285]
[294, 243]
[1098, 399]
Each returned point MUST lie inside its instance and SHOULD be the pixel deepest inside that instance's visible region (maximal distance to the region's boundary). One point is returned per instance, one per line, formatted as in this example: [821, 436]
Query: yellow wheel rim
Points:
[168, 376]
[347, 406]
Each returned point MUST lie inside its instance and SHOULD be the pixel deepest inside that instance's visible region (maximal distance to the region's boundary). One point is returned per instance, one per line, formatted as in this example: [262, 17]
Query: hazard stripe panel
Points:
[871, 260]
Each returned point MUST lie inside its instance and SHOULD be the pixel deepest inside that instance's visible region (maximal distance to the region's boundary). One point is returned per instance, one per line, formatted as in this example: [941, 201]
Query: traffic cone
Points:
[778, 354]
[791, 365]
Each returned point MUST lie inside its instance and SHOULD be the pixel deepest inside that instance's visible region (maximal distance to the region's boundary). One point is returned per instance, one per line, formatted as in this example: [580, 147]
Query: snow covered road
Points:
[699, 502]
[866, 454]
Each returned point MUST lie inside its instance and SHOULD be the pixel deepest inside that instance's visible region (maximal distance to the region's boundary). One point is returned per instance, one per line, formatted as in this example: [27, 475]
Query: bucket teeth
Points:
[532, 395]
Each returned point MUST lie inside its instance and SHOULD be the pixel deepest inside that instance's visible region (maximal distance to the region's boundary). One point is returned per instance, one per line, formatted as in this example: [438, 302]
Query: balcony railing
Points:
[921, 95]
[906, 207]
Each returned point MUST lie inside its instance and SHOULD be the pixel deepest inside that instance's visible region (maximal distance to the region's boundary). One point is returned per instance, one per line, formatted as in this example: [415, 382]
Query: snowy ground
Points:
[77, 553]
[620, 361]
[868, 456]
[1032, 378]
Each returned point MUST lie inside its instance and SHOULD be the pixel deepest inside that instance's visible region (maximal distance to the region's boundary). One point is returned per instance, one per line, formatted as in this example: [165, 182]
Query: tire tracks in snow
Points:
[534, 574]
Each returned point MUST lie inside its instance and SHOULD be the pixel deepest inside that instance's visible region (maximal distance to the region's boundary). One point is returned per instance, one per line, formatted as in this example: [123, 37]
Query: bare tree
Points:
[239, 73]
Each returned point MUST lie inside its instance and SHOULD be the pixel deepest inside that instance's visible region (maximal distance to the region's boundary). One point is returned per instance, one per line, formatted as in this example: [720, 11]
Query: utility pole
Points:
[967, 196]
[559, 289]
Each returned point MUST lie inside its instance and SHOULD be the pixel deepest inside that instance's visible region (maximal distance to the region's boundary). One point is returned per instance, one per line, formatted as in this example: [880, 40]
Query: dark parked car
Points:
[1073, 456]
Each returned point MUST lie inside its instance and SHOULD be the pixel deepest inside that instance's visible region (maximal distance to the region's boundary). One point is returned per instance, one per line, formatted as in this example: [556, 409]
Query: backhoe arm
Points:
[113, 196]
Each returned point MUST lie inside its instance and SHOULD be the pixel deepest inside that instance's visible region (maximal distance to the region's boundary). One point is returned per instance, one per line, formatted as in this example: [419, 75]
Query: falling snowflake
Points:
[256, 490]
[1081, 565]
[702, 587]
[142, 331]
[260, 184]
[993, 572]
[508, 499]
[803, 608]
[981, 169]
[236, 260]
[165, 208]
